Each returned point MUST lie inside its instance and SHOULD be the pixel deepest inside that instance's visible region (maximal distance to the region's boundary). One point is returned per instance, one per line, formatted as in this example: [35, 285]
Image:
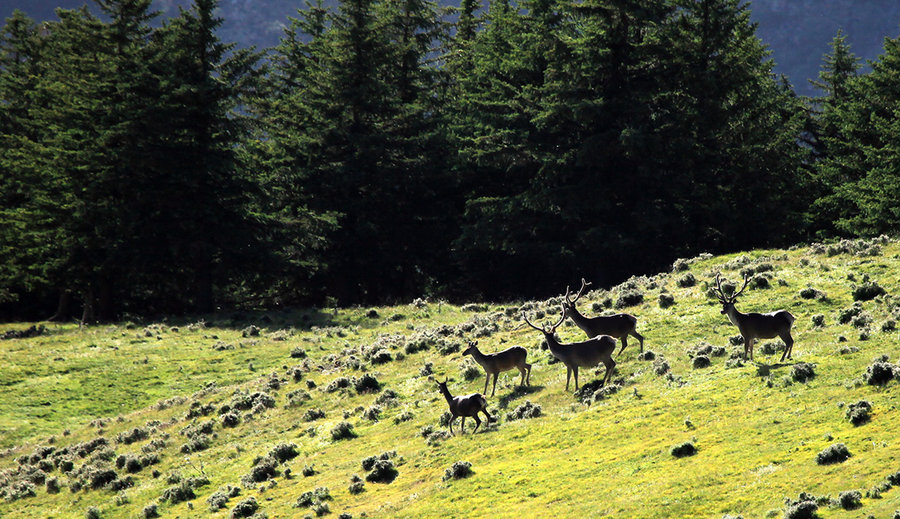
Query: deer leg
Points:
[451, 424]
[495, 383]
[788, 346]
[487, 378]
[477, 423]
[750, 347]
[610, 369]
[568, 376]
[522, 371]
[487, 416]
[639, 337]
[575, 369]
[528, 378]
[624, 340]
[462, 425]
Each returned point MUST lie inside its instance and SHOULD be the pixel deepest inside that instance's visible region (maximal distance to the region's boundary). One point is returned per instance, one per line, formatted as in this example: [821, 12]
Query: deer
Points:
[757, 326]
[469, 405]
[618, 326]
[495, 363]
[585, 354]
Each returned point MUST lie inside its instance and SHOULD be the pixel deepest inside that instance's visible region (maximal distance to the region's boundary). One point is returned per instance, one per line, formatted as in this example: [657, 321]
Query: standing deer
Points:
[618, 326]
[585, 354]
[757, 326]
[505, 360]
[469, 405]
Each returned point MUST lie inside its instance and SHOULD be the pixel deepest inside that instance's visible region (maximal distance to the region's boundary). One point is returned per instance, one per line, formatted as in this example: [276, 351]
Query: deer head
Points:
[569, 304]
[471, 348]
[729, 301]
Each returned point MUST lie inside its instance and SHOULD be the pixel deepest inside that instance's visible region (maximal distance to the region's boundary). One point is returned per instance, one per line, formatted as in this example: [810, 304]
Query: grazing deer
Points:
[505, 360]
[469, 405]
[757, 326]
[618, 326]
[586, 354]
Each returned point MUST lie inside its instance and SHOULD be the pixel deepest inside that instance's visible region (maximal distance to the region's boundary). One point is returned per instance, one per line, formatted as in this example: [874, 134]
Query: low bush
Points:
[701, 361]
[850, 500]
[812, 293]
[469, 370]
[526, 410]
[383, 471]
[150, 511]
[284, 452]
[847, 314]
[801, 510]
[803, 371]
[660, 366]
[313, 497]
[343, 431]
[879, 373]
[837, 453]
[373, 413]
[867, 291]
[629, 298]
[646, 355]
[859, 413]
[298, 353]
[366, 383]
[459, 470]
[92, 513]
[245, 508]
[818, 321]
[337, 384]
[687, 280]
[312, 415]
[666, 300]
[684, 449]
[231, 419]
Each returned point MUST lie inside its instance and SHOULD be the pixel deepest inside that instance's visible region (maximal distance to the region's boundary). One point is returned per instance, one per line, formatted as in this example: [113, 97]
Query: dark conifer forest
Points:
[392, 149]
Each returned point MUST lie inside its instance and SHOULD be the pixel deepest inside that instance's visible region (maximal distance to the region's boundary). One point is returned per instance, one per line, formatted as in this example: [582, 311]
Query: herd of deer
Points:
[602, 332]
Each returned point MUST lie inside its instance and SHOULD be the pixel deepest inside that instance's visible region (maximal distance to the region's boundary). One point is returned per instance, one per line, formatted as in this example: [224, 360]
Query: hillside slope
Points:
[191, 411]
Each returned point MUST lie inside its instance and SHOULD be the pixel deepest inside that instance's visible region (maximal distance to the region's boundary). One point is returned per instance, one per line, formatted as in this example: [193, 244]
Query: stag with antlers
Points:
[618, 326]
[757, 326]
[585, 354]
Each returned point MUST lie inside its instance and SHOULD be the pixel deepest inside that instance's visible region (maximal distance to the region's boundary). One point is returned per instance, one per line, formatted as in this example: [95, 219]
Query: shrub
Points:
[867, 291]
[284, 451]
[343, 431]
[387, 398]
[879, 373]
[356, 485]
[802, 372]
[373, 413]
[859, 413]
[863, 320]
[366, 383]
[309, 498]
[818, 320]
[383, 471]
[687, 280]
[134, 435]
[469, 370]
[811, 293]
[245, 508]
[801, 510]
[850, 500]
[150, 511]
[250, 331]
[526, 410]
[759, 281]
[666, 300]
[197, 444]
[836, 453]
[176, 494]
[629, 298]
[336, 384]
[217, 500]
[889, 325]
[847, 314]
[405, 416]
[230, 419]
[298, 353]
[313, 414]
[684, 449]
[660, 366]
[646, 355]
[52, 485]
[263, 469]
[381, 357]
[92, 513]
[701, 361]
[459, 470]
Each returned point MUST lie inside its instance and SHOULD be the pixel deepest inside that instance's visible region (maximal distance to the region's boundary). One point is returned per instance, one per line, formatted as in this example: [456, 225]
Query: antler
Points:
[739, 292]
[722, 297]
[545, 330]
[584, 284]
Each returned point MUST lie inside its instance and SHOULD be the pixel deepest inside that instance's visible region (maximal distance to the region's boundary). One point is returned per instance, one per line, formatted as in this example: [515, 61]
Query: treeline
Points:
[388, 149]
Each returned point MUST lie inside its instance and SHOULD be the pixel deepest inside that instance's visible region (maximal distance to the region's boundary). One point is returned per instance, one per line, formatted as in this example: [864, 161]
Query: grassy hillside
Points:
[191, 408]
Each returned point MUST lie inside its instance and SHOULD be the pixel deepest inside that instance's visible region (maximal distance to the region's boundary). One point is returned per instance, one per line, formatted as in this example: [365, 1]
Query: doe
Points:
[495, 363]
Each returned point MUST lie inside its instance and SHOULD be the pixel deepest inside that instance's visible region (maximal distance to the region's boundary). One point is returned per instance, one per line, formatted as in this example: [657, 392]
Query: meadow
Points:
[194, 417]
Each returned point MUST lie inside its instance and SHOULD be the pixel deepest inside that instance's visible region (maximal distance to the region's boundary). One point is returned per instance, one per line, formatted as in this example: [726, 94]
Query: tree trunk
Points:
[88, 315]
[62, 307]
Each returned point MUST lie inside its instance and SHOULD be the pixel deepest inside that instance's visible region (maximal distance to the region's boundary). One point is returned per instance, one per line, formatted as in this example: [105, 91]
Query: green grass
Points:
[756, 436]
